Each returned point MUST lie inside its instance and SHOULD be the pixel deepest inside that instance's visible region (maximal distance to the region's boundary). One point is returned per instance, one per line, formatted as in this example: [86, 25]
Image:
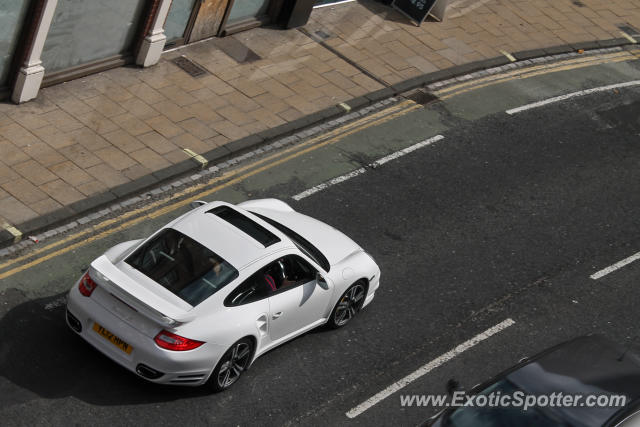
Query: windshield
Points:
[305, 247]
[183, 266]
[471, 416]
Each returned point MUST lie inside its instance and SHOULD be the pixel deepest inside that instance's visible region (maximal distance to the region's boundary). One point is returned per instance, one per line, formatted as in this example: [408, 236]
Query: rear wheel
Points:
[232, 365]
[348, 305]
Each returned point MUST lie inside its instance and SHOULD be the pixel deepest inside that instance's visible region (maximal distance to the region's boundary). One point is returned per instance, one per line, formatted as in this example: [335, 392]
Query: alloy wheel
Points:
[234, 364]
[350, 303]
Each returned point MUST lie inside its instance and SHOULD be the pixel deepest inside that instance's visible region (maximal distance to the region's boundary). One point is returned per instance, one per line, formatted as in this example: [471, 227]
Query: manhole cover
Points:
[190, 67]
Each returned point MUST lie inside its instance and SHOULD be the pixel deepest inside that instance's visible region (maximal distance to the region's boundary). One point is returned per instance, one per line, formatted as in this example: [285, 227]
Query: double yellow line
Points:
[184, 197]
[537, 70]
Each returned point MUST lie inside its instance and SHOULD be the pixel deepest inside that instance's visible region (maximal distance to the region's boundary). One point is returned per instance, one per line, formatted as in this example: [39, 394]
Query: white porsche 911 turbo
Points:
[203, 297]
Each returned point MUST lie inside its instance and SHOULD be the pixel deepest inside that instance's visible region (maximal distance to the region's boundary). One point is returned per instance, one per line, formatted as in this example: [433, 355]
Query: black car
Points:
[585, 366]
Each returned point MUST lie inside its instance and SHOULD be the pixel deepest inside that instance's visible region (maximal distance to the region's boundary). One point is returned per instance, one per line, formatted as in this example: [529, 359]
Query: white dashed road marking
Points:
[379, 162]
[435, 363]
[327, 184]
[572, 95]
[618, 265]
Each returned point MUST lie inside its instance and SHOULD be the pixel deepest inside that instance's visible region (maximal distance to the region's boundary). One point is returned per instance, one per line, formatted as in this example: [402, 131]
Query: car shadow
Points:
[40, 353]
[40, 356]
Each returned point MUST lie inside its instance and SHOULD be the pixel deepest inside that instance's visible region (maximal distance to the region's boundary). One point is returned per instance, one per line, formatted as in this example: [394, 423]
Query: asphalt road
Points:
[504, 218]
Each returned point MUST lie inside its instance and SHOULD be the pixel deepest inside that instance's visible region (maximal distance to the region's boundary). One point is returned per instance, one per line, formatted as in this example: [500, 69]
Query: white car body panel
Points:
[121, 250]
[135, 308]
[271, 204]
[244, 249]
[303, 305]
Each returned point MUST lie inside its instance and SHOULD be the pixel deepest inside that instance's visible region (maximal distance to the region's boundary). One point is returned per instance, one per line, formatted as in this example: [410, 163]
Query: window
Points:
[178, 19]
[295, 270]
[305, 247]
[251, 290]
[246, 225]
[83, 31]
[12, 14]
[183, 266]
[247, 9]
[279, 276]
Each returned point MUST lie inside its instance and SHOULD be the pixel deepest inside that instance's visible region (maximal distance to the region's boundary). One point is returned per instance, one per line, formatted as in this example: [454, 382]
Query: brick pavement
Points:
[96, 134]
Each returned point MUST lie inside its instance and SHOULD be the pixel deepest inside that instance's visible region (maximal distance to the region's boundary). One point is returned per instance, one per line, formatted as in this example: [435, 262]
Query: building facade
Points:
[45, 42]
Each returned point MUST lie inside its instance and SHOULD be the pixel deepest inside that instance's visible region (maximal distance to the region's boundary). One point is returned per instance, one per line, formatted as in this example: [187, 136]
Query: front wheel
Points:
[232, 365]
[348, 305]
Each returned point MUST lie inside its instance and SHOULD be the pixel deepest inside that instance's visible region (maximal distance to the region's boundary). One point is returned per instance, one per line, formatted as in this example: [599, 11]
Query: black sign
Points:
[415, 9]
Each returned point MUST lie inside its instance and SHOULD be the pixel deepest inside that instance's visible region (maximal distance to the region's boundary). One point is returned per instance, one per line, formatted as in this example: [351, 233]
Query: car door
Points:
[298, 301]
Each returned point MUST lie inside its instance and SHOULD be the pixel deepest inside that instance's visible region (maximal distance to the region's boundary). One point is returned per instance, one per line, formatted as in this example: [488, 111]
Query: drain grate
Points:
[190, 67]
[322, 35]
[421, 97]
[578, 3]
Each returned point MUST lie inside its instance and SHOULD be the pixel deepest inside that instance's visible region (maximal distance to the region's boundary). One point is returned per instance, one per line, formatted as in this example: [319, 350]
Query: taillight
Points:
[87, 285]
[169, 341]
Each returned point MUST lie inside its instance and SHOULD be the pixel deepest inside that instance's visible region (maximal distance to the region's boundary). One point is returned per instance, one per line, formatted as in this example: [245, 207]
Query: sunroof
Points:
[248, 226]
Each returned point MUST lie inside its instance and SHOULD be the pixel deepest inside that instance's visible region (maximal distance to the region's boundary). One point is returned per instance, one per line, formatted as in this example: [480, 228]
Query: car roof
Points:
[226, 240]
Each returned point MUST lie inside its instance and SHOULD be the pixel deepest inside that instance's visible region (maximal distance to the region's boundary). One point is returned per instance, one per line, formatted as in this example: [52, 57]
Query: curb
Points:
[251, 142]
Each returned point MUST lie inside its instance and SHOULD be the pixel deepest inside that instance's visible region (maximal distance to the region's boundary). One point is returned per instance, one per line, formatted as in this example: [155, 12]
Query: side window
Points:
[284, 273]
[287, 272]
[299, 270]
[251, 290]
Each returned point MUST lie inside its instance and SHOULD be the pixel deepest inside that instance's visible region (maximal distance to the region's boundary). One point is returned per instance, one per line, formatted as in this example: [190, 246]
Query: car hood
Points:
[333, 244]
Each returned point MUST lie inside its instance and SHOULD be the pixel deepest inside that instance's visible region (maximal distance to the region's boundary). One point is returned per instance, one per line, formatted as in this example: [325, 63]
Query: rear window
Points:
[183, 266]
[246, 225]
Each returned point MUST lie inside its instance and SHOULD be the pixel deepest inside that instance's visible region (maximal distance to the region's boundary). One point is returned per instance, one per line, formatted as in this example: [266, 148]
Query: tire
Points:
[349, 304]
[232, 365]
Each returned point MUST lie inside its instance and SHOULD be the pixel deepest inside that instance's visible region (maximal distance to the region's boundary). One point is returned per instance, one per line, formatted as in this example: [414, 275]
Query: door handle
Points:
[276, 315]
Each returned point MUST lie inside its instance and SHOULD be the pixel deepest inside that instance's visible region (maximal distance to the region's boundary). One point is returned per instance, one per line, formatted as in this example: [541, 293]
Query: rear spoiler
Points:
[146, 301]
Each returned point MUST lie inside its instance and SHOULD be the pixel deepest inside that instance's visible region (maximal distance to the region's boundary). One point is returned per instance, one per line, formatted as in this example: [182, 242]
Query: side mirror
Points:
[321, 281]
[197, 204]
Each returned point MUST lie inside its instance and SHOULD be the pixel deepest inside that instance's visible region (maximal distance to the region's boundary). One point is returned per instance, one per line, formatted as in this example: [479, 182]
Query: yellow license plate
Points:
[118, 342]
